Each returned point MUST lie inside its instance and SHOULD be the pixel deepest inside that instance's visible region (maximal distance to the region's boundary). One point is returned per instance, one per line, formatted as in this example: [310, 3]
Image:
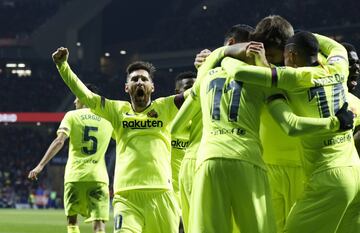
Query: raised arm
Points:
[189, 109]
[330, 48]
[90, 99]
[285, 78]
[53, 149]
[294, 125]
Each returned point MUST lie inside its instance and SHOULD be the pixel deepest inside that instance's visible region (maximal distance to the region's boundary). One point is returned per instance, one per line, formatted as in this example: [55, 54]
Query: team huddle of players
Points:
[262, 142]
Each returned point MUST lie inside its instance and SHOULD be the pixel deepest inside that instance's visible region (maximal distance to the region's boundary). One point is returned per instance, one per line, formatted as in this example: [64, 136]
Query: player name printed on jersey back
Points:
[90, 117]
[332, 79]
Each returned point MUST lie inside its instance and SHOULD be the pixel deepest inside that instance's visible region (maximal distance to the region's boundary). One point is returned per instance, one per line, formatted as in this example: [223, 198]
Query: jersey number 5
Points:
[217, 85]
[87, 137]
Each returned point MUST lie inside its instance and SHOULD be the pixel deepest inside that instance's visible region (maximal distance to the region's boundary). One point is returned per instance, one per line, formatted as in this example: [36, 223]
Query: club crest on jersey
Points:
[153, 114]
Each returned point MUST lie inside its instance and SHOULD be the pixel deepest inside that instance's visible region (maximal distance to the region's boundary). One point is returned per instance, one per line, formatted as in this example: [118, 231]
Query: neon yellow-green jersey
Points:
[196, 128]
[191, 110]
[178, 148]
[317, 91]
[89, 138]
[335, 71]
[142, 139]
[230, 116]
[189, 121]
[278, 147]
[222, 103]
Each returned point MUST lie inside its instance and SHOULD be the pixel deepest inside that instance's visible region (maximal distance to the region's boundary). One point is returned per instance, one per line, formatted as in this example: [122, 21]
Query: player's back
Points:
[195, 131]
[231, 118]
[89, 138]
[331, 149]
[278, 147]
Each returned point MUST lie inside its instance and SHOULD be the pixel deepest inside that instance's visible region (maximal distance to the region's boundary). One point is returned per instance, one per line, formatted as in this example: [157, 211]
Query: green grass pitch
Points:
[41, 221]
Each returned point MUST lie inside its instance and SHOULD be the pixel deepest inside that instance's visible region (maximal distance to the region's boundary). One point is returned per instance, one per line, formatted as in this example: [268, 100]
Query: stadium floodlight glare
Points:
[204, 7]
[107, 54]
[22, 73]
[21, 65]
[78, 44]
[11, 65]
[122, 52]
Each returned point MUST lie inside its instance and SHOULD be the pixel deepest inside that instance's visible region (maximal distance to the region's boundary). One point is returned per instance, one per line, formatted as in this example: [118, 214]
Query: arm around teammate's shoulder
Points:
[99, 104]
[294, 125]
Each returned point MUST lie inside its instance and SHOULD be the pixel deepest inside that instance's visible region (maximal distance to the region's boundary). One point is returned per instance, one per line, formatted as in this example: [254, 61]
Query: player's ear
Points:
[230, 41]
[152, 87]
[293, 57]
[126, 87]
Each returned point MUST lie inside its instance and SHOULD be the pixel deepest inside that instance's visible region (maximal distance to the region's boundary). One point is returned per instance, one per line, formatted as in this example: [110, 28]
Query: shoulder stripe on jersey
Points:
[274, 77]
[102, 102]
[335, 58]
[275, 97]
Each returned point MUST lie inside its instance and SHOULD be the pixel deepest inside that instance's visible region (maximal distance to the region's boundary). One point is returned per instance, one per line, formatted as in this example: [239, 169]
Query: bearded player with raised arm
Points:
[144, 200]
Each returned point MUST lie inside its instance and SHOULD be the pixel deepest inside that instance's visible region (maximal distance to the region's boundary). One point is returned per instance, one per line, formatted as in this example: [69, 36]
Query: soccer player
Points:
[330, 199]
[354, 67]
[86, 190]
[237, 33]
[353, 98]
[183, 82]
[281, 153]
[179, 145]
[230, 169]
[143, 197]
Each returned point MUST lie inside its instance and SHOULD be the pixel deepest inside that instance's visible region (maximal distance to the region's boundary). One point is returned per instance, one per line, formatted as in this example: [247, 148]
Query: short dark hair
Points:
[349, 47]
[240, 32]
[185, 75]
[272, 31]
[305, 43]
[141, 65]
[93, 88]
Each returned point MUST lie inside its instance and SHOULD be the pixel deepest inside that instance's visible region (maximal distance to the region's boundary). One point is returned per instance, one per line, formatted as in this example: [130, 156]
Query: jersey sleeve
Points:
[336, 53]
[186, 113]
[210, 62]
[99, 105]
[169, 104]
[330, 48]
[250, 74]
[294, 125]
[285, 78]
[65, 125]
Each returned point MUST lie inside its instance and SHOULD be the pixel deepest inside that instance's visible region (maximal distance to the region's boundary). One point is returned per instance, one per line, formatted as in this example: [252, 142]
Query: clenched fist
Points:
[60, 55]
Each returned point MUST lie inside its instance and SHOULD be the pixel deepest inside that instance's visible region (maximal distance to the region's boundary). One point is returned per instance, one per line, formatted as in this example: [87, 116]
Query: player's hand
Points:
[200, 57]
[257, 51]
[238, 50]
[346, 117]
[34, 173]
[60, 55]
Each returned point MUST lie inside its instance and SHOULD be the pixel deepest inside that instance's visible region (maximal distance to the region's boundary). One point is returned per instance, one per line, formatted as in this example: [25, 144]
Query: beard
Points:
[140, 97]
